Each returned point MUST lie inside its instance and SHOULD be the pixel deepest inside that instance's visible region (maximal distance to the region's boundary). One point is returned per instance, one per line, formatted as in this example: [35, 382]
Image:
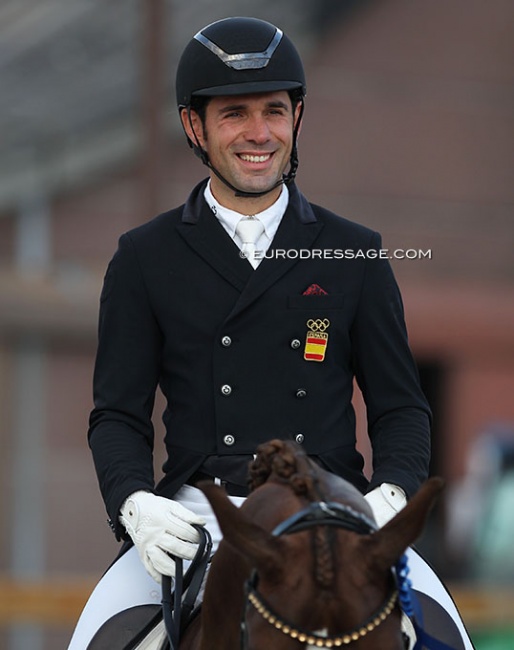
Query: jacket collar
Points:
[195, 204]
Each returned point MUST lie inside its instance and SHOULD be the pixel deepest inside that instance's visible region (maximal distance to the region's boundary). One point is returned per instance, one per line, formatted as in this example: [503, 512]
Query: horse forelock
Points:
[284, 462]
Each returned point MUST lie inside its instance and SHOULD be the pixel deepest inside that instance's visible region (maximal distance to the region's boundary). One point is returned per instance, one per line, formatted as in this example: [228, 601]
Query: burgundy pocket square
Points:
[315, 290]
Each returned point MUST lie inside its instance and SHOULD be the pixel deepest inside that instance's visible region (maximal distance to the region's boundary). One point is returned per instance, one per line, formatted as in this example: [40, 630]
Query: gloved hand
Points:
[159, 526]
[385, 501]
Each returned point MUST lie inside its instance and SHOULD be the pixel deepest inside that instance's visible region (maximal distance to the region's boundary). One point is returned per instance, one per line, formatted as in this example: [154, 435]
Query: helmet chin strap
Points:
[286, 178]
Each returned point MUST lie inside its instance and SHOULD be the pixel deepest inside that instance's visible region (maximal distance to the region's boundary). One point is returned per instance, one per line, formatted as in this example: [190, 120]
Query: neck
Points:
[243, 204]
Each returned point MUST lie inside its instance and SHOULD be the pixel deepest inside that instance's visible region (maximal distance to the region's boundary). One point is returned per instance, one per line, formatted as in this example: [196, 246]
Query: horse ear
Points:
[391, 541]
[247, 538]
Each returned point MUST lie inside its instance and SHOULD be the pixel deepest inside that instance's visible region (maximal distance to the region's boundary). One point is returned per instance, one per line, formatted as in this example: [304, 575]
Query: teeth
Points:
[255, 159]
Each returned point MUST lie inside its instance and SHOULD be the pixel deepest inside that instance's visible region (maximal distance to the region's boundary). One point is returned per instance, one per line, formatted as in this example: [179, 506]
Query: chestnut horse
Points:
[301, 564]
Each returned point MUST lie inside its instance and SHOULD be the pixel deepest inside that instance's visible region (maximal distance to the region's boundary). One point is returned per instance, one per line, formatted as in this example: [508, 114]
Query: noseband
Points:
[317, 514]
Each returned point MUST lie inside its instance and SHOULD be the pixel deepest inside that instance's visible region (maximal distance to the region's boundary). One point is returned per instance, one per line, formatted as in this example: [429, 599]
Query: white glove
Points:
[385, 501]
[159, 526]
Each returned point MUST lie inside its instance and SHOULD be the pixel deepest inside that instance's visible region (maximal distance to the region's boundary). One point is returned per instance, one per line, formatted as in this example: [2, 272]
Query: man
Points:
[239, 307]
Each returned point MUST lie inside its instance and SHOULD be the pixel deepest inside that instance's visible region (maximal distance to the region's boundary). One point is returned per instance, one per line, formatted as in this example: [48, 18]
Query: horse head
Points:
[302, 564]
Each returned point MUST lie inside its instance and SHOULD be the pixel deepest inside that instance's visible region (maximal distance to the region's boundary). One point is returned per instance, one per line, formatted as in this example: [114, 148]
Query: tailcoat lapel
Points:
[207, 237]
[298, 230]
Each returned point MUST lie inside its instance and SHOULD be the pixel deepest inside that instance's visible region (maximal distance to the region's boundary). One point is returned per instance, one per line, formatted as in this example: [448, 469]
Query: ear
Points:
[260, 548]
[389, 543]
[193, 126]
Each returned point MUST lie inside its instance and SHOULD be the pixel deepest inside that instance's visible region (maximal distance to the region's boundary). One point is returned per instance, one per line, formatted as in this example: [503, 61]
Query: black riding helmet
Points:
[239, 56]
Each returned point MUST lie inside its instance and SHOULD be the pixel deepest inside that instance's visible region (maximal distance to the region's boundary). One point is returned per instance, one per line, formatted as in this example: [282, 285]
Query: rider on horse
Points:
[246, 340]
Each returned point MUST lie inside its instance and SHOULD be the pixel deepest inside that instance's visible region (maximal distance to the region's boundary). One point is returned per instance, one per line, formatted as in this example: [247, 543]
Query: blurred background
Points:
[408, 129]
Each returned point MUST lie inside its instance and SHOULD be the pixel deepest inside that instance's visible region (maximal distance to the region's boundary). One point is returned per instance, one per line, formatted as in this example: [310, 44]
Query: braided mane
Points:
[285, 462]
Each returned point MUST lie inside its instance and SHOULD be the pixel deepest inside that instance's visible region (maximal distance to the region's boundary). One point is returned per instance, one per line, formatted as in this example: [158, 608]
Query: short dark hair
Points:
[199, 106]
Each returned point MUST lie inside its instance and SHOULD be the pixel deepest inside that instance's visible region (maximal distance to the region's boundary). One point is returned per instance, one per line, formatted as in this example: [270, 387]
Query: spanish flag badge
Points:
[317, 339]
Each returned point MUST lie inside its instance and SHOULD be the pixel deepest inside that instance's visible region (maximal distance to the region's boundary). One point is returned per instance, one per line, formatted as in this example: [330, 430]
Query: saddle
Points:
[159, 627]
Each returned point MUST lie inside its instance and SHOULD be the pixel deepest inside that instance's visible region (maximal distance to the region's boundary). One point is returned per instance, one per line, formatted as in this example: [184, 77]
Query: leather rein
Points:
[318, 513]
[179, 600]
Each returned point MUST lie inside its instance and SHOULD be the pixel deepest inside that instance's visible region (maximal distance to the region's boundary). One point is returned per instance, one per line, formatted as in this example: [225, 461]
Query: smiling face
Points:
[248, 139]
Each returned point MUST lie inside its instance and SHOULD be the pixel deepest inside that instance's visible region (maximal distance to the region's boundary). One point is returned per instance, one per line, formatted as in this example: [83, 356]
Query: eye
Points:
[232, 114]
[278, 112]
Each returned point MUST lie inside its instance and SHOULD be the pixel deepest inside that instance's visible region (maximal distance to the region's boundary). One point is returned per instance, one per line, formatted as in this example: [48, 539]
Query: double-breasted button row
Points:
[230, 440]
[226, 342]
[226, 390]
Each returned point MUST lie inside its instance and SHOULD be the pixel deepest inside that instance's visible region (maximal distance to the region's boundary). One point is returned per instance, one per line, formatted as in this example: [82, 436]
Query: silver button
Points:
[226, 341]
[229, 440]
[295, 344]
[299, 438]
[226, 389]
[301, 393]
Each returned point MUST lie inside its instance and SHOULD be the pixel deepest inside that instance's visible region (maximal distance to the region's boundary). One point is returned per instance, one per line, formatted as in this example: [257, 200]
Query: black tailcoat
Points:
[181, 309]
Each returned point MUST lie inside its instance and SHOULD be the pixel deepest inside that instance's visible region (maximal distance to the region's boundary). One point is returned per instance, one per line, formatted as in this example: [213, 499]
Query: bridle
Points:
[314, 638]
[176, 614]
[318, 513]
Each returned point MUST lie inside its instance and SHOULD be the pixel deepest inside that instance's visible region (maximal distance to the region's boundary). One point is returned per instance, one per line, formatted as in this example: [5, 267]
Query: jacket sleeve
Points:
[125, 379]
[397, 411]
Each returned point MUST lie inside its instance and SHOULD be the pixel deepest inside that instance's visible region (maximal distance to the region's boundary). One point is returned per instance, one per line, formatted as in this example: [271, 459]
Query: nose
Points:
[258, 130]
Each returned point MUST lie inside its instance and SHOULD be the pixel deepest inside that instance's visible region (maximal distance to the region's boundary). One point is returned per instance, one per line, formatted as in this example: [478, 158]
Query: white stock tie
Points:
[249, 230]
